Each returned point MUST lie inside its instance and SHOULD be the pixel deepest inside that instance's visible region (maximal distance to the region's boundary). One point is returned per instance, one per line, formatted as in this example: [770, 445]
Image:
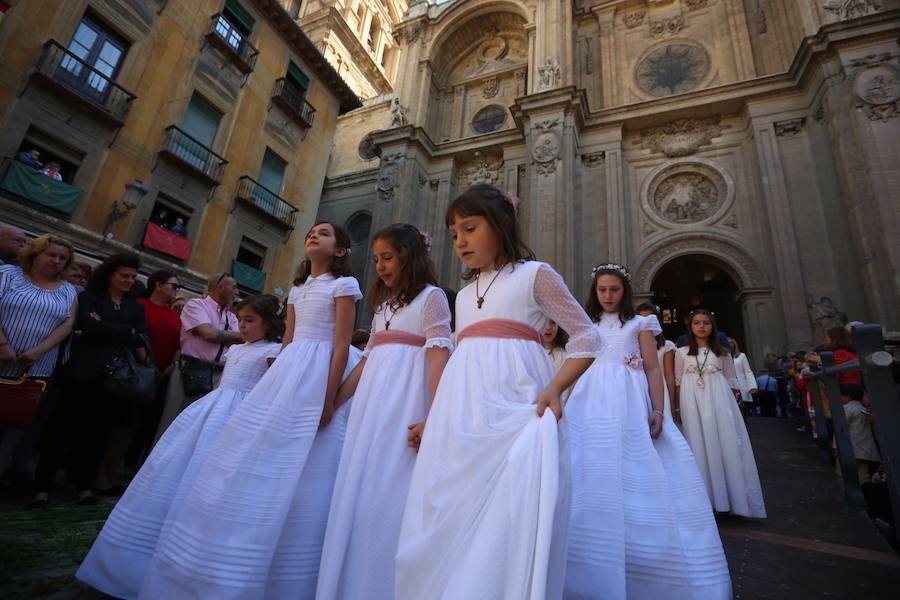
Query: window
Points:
[99, 55]
[248, 264]
[251, 253]
[271, 176]
[367, 149]
[167, 230]
[488, 119]
[201, 122]
[234, 25]
[53, 150]
[166, 215]
[298, 78]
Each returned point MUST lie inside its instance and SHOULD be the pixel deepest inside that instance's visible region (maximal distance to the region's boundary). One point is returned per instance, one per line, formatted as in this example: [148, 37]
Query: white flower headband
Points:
[612, 267]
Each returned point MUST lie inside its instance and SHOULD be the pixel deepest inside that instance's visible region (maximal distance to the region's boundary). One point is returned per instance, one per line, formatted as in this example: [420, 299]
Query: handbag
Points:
[196, 377]
[19, 400]
[128, 380]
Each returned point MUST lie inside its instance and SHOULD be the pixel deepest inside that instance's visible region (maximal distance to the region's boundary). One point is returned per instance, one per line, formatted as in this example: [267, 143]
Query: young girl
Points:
[712, 421]
[555, 340]
[252, 523]
[641, 526]
[487, 505]
[745, 378]
[121, 553]
[396, 379]
[665, 353]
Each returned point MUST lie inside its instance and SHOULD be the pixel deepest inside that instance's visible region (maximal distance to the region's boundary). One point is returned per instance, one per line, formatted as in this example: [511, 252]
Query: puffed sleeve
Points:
[728, 369]
[436, 320]
[650, 323]
[347, 286]
[679, 366]
[554, 298]
[272, 350]
[294, 294]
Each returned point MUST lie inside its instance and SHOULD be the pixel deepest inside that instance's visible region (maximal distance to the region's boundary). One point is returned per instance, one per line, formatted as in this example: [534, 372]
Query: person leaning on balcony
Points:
[178, 227]
[207, 328]
[32, 158]
[12, 240]
[52, 171]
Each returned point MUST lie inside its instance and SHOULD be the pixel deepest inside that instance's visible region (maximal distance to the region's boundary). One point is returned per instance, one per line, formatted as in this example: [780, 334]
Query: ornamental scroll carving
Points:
[484, 169]
[634, 19]
[389, 176]
[546, 147]
[696, 4]
[851, 9]
[669, 26]
[682, 137]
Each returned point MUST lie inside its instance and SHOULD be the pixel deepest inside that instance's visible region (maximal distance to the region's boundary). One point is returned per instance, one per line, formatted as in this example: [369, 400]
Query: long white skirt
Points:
[714, 427]
[252, 523]
[373, 478]
[487, 510]
[119, 557]
[641, 524]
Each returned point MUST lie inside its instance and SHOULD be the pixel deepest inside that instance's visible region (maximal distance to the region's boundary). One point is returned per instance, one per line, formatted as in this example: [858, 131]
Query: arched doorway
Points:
[697, 280]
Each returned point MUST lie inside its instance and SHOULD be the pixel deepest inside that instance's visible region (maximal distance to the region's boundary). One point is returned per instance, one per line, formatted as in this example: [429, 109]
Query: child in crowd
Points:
[487, 507]
[394, 385]
[712, 421]
[665, 353]
[555, 340]
[121, 553]
[641, 525]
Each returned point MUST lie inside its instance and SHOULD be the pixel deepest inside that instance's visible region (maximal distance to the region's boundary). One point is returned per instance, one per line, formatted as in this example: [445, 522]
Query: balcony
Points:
[265, 201]
[193, 154]
[247, 277]
[64, 71]
[291, 100]
[162, 240]
[29, 186]
[227, 39]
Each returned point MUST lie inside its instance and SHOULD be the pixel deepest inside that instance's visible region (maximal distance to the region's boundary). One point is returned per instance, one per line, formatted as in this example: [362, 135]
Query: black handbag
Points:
[128, 380]
[196, 377]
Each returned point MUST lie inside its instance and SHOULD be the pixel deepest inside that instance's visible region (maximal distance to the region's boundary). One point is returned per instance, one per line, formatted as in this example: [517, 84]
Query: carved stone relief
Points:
[634, 19]
[687, 193]
[412, 33]
[546, 147]
[682, 137]
[672, 69]
[789, 128]
[695, 4]
[490, 87]
[398, 114]
[588, 56]
[549, 75]
[669, 26]
[877, 87]
[389, 176]
[594, 160]
[731, 221]
[484, 169]
[850, 9]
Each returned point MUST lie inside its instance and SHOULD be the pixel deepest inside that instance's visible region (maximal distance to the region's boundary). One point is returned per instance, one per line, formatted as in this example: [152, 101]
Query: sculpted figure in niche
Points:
[824, 315]
[549, 75]
[398, 114]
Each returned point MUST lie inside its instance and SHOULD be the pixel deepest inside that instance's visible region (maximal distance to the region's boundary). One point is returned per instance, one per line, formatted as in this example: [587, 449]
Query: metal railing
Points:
[227, 37]
[65, 68]
[292, 99]
[264, 199]
[192, 152]
[875, 363]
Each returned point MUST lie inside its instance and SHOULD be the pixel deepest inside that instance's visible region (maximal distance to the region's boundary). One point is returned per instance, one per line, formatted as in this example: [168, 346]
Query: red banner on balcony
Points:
[162, 240]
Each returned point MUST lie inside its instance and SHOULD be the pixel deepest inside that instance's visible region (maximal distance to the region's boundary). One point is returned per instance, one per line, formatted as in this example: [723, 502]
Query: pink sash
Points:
[504, 329]
[395, 337]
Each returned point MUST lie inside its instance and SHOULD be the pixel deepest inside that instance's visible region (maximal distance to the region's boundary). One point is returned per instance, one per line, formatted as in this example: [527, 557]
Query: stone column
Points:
[616, 206]
[740, 36]
[606, 17]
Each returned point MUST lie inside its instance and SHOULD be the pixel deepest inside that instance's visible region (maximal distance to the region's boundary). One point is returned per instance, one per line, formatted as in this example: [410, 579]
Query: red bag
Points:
[19, 400]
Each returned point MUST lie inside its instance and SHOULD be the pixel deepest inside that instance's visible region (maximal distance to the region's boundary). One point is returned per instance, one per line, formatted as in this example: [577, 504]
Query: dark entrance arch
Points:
[696, 280]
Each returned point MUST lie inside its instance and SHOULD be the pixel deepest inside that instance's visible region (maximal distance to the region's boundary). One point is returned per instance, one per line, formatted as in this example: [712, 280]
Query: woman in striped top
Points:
[37, 308]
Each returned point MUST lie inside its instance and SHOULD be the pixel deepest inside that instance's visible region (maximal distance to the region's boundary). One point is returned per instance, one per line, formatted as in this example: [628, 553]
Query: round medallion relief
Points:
[687, 193]
[672, 69]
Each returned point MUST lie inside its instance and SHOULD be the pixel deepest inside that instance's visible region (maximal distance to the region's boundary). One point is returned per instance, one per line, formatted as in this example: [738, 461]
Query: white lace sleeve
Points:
[436, 320]
[557, 302]
[728, 369]
[679, 366]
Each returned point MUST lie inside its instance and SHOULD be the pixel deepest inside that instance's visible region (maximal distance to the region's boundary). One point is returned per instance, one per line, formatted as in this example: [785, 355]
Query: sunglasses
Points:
[175, 286]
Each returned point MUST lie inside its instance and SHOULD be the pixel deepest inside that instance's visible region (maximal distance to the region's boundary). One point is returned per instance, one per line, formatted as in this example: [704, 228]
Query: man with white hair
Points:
[12, 240]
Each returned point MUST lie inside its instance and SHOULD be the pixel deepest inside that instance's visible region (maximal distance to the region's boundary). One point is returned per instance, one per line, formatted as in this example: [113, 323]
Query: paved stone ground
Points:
[811, 546]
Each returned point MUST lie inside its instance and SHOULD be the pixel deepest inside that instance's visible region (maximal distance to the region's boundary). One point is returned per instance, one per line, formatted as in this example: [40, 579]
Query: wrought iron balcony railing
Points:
[226, 37]
[291, 99]
[263, 199]
[193, 153]
[87, 83]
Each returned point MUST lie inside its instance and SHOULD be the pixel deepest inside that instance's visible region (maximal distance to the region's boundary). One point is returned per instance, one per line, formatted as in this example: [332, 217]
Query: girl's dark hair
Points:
[157, 277]
[839, 339]
[626, 307]
[267, 307]
[561, 338]
[713, 342]
[99, 281]
[340, 265]
[416, 270]
[486, 201]
[661, 338]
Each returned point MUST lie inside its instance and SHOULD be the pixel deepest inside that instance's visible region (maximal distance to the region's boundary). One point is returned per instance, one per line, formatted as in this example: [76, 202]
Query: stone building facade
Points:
[743, 154]
[217, 113]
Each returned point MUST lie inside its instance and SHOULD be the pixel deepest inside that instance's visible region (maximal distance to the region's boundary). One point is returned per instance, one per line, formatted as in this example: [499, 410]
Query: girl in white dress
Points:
[745, 378]
[555, 340]
[488, 502]
[712, 421]
[641, 525]
[394, 385]
[121, 553]
[665, 352]
[252, 523]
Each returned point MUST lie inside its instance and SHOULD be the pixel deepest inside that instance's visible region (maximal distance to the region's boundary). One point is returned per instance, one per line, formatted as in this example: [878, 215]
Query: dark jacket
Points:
[96, 342]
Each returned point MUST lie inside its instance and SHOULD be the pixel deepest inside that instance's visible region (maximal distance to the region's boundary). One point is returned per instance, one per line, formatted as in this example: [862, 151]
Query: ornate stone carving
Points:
[398, 114]
[695, 4]
[412, 33]
[549, 75]
[731, 221]
[389, 176]
[759, 15]
[594, 160]
[434, 183]
[588, 56]
[546, 169]
[484, 169]
[423, 179]
[789, 128]
[490, 87]
[669, 26]
[877, 86]
[682, 137]
[672, 69]
[850, 9]
[546, 146]
[634, 19]
[823, 315]
[686, 193]
[747, 273]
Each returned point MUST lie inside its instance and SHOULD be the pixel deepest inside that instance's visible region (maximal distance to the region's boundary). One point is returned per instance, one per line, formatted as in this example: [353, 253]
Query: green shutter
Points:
[238, 16]
[299, 77]
[201, 121]
[271, 173]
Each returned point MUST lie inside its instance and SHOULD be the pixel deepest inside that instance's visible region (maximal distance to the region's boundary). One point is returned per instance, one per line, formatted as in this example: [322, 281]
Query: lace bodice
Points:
[428, 315]
[529, 292]
[621, 343]
[314, 309]
[245, 364]
[689, 366]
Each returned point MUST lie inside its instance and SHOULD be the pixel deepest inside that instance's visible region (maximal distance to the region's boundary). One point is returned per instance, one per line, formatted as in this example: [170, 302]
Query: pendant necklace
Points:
[479, 297]
[117, 305]
[387, 322]
[701, 368]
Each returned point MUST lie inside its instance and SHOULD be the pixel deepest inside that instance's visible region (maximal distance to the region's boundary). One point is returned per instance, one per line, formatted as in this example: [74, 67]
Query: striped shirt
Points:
[28, 314]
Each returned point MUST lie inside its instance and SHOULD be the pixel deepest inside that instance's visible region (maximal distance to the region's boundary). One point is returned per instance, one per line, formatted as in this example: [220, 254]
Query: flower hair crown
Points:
[427, 240]
[612, 267]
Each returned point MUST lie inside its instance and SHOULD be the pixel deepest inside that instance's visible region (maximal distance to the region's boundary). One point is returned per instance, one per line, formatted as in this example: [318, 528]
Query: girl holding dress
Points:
[488, 501]
[394, 385]
[252, 522]
[641, 525]
[665, 352]
[121, 553]
[712, 421]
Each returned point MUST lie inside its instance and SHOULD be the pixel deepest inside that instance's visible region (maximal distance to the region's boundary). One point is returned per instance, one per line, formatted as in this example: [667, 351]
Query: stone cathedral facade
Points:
[743, 154]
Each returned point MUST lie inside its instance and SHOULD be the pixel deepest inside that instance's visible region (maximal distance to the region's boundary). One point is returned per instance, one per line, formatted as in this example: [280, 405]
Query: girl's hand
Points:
[327, 414]
[414, 437]
[656, 422]
[29, 357]
[550, 398]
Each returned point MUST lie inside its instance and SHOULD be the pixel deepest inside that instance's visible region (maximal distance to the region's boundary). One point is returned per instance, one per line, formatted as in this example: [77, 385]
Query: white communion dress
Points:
[119, 557]
[641, 524]
[667, 347]
[376, 463]
[253, 521]
[486, 516]
[714, 427]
